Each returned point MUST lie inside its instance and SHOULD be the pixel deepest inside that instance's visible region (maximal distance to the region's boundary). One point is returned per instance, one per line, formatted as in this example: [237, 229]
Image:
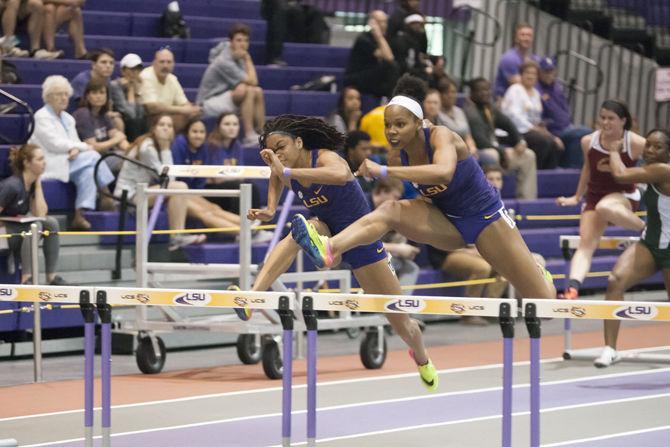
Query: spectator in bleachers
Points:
[372, 68]
[453, 117]
[125, 93]
[275, 12]
[410, 48]
[163, 94]
[230, 84]
[22, 195]
[224, 148]
[556, 115]
[396, 22]
[402, 253]
[484, 118]
[56, 14]
[153, 149]
[357, 147]
[372, 123]
[523, 105]
[606, 200]
[95, 127]
[68, 158]
[190, 148]
[18, 10]
[102, 67]
[348, 113]
[509, 66]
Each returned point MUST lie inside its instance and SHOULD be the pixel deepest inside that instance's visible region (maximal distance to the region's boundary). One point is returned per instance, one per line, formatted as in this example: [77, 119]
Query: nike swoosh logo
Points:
[427, 382]
[490, 216]
[318, 190]
[379, 250]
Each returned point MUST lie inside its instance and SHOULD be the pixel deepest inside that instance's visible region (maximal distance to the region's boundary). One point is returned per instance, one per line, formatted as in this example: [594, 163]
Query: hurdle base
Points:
[626, 356]
[106, 437]
[88, 436]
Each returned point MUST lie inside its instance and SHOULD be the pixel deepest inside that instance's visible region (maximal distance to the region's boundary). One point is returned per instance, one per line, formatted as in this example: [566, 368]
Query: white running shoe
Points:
[261, 236]
[608, 357]
[178, 241]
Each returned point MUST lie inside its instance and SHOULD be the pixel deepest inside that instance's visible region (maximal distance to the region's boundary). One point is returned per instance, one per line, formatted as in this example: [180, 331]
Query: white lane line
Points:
[612, 436]
[396, 400]
[278, 389]
[484, 418]
[321, 384]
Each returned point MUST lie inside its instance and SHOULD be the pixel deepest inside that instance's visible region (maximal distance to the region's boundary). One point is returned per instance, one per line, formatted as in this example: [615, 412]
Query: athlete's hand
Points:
[407, 251]
[616, 146]
[369, 169]
[271, 159]
[263, 215]
[567, 201]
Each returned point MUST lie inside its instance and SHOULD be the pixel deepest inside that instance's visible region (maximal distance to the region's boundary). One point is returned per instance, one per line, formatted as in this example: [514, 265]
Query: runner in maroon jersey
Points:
[606, 201]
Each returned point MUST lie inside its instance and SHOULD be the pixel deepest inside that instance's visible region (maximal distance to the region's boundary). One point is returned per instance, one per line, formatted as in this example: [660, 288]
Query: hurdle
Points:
[106, 297]
[534, 310]
[569, 243]
[504, 309]
[173, 321]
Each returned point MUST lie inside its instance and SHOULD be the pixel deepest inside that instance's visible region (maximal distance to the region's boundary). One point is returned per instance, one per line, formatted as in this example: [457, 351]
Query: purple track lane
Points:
[368, 417]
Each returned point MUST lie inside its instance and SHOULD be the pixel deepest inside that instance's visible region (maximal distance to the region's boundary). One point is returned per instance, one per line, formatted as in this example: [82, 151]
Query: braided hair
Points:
[314, 132]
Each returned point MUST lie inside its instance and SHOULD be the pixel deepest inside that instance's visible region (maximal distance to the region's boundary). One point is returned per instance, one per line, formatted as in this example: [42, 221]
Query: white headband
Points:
[409, 104]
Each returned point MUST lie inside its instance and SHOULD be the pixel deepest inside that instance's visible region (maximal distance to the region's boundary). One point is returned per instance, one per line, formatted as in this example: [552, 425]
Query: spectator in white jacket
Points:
[68, 159]
[522, 103]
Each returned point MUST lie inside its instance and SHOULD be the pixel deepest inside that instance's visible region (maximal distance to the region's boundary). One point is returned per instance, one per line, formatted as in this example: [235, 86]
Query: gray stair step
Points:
[88, 258]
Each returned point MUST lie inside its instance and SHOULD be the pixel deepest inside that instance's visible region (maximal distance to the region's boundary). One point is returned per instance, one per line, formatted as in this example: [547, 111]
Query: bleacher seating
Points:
[132, 26]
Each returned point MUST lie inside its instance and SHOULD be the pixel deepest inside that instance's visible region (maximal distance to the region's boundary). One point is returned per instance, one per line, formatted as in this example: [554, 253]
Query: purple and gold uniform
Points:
[338, 207]
[468, 201]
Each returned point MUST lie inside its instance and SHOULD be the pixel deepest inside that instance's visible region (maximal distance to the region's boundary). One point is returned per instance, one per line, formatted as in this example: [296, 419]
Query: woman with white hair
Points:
[68, 158]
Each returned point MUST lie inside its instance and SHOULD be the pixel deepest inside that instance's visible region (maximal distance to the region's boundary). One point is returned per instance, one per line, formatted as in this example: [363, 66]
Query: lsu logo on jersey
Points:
[430, 191]
[315, 201]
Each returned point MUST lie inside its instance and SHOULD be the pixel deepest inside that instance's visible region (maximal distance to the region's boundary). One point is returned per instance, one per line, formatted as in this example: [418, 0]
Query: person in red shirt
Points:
[606, 201]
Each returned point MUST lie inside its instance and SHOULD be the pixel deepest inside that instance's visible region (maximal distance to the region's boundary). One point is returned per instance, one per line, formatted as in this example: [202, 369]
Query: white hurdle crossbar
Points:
[504, 309]
[571, 242]
[534, 310]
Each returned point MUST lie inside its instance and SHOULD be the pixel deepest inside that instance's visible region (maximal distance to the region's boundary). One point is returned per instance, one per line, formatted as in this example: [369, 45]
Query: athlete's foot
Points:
[608, 357]
[569, 294]
[427, 373]
[314, 245]
[243, 313]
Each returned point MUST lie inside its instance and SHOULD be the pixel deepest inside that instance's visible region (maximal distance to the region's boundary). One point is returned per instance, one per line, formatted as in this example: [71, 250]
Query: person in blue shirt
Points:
[301, 152]
[225, 149]
[458, 206]
[510, 63]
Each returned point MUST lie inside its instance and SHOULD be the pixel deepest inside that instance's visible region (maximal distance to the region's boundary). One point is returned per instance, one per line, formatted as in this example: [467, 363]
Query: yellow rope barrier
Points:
[519, 217]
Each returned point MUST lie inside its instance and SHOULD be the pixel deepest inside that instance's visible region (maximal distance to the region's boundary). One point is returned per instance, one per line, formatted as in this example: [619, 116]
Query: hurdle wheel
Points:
[247, 351]
[371, 356]
[272, 362]
[146, 357]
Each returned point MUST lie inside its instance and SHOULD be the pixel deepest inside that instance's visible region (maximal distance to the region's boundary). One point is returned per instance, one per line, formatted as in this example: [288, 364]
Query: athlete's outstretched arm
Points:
[440, 172]
[331, 169]
[652, 173]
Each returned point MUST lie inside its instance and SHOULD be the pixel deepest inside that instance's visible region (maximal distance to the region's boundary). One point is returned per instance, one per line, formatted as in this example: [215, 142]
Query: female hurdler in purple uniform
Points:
[457, 206]
[300, 153]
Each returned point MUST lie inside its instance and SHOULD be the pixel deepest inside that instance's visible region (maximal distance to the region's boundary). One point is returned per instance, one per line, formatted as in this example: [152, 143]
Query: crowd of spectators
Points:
[521, 125]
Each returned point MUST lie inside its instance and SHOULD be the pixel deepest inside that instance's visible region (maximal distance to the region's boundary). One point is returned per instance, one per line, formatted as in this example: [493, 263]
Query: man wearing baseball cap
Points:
[556, 115]
[126, 98]
[410, 47]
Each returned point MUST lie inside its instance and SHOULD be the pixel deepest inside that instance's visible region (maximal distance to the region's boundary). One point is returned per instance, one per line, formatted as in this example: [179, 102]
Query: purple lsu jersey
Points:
[468, 201]
[338, 206]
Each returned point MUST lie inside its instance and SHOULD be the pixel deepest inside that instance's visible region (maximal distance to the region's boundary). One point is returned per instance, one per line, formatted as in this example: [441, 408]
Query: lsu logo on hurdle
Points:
[409, 305]
[193, 299]
[638, 312]
[7, 294]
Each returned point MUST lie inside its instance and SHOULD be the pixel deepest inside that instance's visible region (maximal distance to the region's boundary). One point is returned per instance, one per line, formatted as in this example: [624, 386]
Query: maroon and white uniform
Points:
[601, 182]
